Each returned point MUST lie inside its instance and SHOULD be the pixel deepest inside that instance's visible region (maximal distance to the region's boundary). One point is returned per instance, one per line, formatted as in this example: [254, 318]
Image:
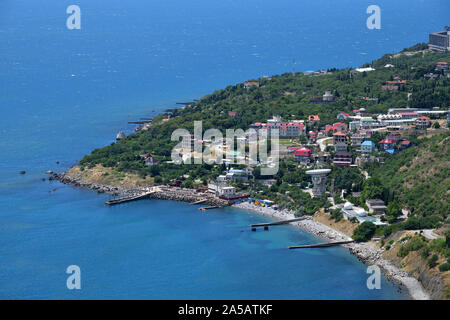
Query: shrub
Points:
[432, 262]
[416, 243]
[364, 232]
[444, 267]
[425, 253]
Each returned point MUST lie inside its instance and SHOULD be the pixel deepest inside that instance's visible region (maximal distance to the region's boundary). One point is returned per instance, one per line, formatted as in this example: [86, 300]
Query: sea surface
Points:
[65, 92]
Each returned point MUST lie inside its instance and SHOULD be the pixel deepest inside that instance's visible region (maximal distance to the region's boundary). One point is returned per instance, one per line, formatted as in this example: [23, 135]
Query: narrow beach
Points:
[366, 252]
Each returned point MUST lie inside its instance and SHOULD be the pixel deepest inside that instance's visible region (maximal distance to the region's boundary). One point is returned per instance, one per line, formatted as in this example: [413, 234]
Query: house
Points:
[405, 144]
[313, 119]
[150, 161]
[351, 212]
[340, 127]
[336, 127]
[376, 206]
[312, 137]
[357, 139]
[340, 142]
[442, 66]
[422, 123]
[368, 147]
[396, 136]
[389, 88]
[257, 126]
[248, 85]
[366, 158]
[325, 98]
[302, 155]
[343, 116]
[368, 123]
[233, 114]
[387, 144]
[409, 115]
[287, 129]
[328, 96]
[397, 80]
[343, 159]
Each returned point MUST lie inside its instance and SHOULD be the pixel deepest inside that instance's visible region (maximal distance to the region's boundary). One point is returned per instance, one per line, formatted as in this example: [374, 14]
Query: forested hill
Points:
[287, 95]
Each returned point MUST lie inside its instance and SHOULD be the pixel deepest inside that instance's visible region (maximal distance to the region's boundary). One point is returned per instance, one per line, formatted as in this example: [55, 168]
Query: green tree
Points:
[364, 232]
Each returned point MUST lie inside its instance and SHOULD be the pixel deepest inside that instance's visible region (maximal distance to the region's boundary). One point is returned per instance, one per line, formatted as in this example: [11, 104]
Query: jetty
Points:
[198, 202]
[276, 223]
[140, 196]
[322, 245]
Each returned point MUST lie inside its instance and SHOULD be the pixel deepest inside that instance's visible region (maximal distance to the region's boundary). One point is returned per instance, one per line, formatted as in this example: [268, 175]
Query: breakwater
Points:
[160, 192]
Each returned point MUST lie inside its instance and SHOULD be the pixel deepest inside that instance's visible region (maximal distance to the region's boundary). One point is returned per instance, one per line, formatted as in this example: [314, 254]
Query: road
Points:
[321, 143]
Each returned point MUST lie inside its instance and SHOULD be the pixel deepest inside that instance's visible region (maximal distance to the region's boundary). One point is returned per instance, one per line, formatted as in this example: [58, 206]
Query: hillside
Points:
[420, 176]
[285, 95]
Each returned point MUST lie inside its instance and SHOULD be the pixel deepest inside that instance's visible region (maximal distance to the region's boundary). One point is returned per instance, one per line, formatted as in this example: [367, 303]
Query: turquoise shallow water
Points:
[63, 93]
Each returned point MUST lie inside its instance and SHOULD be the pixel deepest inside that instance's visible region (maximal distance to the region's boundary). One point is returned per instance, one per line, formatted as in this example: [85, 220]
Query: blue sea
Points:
[65, 92]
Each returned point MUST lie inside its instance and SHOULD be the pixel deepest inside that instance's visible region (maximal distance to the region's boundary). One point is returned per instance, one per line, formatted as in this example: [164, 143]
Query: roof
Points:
[304, 152]
[314, 117]
[368, 143]
[339, 134]
[408, 113]
[367, 119]
[442, 63]
[345, 114]
[423, 118]
[405, 143]
[391, 151]
[343, 154]
[389, 141]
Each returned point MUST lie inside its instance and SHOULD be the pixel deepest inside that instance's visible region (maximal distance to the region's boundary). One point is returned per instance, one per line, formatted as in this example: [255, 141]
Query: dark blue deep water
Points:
[64, 92]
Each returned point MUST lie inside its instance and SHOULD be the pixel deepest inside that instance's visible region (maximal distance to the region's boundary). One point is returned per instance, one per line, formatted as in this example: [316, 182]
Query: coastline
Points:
[365, 252]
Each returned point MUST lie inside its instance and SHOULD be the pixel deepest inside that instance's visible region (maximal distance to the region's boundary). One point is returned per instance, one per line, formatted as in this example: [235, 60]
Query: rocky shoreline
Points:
[163, 192]
[367, 253]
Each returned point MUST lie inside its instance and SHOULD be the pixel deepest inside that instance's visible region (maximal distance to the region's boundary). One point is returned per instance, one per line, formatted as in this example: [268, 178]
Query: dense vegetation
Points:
[419, 177]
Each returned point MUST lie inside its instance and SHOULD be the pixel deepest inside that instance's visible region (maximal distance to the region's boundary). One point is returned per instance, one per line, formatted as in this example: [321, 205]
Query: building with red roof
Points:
[286, 129]
[442, 66]
[343, 116]
[302, 154]
[405, 144]
[313, 119]
[387, 144]
[248, 85]
[422, 123]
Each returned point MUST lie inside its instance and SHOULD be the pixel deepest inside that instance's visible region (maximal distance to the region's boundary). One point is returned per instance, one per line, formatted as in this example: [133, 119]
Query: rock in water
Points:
[22, 172]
